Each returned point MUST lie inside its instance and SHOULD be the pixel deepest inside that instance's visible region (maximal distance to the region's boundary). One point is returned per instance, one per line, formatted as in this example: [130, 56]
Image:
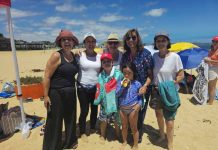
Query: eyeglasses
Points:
[66, 39]
[106, 62]
[113, 43]
[129, 38]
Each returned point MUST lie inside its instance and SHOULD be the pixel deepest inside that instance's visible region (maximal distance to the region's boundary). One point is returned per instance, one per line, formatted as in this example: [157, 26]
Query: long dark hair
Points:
[139, 43]
[131, 66]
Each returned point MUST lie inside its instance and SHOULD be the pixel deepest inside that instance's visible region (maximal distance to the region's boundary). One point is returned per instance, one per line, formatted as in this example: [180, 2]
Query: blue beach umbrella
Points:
[191, 58]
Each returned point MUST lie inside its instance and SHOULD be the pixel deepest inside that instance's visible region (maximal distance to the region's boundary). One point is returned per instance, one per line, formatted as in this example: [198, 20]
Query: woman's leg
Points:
[212, 90]
[170, 132]
[84, 110]
[94, 111]
[160, 121]
[53, 127]
[133, 119]
[69, 101]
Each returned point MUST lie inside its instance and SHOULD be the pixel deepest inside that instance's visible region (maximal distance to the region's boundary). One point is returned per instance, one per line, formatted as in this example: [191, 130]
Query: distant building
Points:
[5, 44]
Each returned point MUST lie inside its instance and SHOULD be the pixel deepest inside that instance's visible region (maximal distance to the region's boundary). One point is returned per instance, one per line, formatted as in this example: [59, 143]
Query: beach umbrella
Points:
[180, 46]
[7, 4]
[191, 58]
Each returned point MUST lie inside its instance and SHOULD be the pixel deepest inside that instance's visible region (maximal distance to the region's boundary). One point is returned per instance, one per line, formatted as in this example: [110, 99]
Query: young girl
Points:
[130, 102]
[106, 95]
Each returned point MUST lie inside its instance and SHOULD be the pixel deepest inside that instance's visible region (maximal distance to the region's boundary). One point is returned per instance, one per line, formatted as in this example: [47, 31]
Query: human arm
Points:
[51, 66]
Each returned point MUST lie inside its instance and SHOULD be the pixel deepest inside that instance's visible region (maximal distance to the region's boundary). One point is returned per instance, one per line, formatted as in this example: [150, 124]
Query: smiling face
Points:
[90, 43]
[215, 45]
[67, 43]
[107, 64]
[161, 43]
[112, 46]
[132, 40]
[128, 73]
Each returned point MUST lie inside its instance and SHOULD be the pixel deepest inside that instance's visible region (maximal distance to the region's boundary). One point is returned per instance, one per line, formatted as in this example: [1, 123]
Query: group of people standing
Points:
[121, 83]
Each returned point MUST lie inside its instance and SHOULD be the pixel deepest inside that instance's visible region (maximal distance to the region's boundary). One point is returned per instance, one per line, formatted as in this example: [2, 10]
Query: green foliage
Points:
[30, 80]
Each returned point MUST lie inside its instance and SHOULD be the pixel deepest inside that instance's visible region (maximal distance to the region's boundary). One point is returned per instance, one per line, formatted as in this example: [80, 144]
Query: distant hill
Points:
[203, 45]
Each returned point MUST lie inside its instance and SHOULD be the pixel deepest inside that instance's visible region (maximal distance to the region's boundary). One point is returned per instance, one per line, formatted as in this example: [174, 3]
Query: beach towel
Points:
[169, 95]
[200, 88]
[10, 120]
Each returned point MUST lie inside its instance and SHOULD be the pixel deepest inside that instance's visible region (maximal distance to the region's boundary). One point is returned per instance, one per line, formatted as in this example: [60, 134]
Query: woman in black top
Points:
[60, 94]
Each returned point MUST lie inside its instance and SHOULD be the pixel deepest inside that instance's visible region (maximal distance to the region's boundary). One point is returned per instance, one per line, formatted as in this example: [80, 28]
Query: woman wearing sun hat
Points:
[89, 62]
[60, 94]
[212, 61]
[112, 45]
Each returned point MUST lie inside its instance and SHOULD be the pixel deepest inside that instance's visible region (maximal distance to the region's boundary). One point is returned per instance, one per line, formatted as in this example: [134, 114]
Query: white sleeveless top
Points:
[89, 69]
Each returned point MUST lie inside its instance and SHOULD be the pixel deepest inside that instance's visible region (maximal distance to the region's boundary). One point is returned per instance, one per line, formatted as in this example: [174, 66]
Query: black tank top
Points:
[64, 74]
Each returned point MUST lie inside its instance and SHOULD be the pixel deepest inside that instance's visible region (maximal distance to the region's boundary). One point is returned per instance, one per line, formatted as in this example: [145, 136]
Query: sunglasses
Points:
[215, 42]
[129, 38]
[113, 43]
[106, 62]
[66, 39]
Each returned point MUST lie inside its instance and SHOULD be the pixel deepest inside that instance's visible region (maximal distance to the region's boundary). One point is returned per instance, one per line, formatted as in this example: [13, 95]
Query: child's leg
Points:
[133, 119]
[124, 120]
[103, 126]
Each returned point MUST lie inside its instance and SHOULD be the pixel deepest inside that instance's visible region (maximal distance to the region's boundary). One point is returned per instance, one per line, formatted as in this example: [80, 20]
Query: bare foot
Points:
[123, 146]
[102, 140]
[160, 139]
[135, 148]
[84, 138]
[210, 102]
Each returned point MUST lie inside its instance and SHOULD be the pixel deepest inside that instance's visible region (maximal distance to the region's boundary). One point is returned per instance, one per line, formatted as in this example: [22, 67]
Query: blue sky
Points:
[184, 20]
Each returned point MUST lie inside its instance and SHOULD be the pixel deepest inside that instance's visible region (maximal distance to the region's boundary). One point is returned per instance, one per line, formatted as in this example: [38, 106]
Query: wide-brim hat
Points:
[106, 56]
[66, 34]
[113, 37]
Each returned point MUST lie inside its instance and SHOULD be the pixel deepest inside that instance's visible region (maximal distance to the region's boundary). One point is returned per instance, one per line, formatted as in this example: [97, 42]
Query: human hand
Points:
[143, 90]
[125, 82]
[47, 102]
[207, 60]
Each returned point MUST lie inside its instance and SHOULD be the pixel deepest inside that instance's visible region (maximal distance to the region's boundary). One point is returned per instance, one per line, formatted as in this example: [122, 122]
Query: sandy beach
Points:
[195, 125]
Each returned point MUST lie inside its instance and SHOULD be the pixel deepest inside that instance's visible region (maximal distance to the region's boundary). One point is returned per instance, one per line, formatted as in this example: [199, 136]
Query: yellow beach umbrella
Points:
[177, 47]
[98, 50]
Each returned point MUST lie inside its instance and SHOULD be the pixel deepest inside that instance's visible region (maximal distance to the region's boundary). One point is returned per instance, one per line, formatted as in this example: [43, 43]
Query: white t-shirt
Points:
[165, 69]
[89, 69]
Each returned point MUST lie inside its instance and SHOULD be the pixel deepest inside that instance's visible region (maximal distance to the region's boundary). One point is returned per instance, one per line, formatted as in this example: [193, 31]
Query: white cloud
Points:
[16, 13]
[148, 4]
[66, 7]
[156, 12]
[51, 21]
[114, 5]
[51, 2]
[113, 17]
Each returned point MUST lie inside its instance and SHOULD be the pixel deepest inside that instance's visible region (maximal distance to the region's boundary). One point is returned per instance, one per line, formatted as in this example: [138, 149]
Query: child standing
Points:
[130, 102]
[106, 95]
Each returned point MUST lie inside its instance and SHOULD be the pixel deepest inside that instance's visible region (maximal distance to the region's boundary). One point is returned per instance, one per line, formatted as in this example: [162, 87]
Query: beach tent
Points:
[6, 4]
